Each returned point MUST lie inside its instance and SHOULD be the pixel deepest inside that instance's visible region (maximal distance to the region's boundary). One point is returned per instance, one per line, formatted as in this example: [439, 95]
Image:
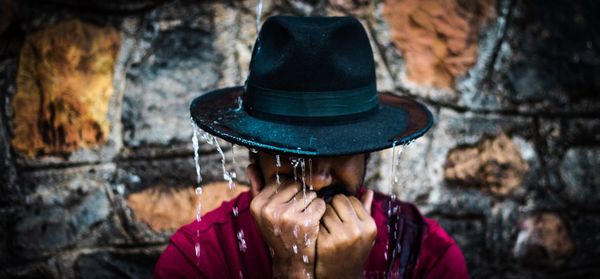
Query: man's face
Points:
[330, 175]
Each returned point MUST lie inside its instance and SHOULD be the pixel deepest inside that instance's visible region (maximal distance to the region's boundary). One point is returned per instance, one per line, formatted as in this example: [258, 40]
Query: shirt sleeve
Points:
[451, 265]
[173, 264]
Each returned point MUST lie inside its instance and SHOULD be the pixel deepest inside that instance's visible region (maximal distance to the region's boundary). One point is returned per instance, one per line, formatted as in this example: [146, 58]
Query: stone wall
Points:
[96, 158]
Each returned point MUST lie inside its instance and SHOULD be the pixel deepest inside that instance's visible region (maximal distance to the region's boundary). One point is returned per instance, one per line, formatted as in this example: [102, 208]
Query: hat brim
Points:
[398, 120]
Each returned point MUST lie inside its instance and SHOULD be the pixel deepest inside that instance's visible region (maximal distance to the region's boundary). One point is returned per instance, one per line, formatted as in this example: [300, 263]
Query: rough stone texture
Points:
[549, 59]
[109, 6]
[127, 264]
[543, 240]
[581, 184]
[178, 65]
[7, 12]
[164, 207]
[63, 88]
[437, 38]
[349, 5]
[7, 169]
[62, 209]
[467, 129]
[495, 163]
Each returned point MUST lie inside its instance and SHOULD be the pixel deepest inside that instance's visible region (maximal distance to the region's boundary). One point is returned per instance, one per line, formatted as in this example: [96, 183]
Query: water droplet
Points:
[303, 168]
[272, 252]
[310, 183]
[241, 241]
[240, 102]
[306, 240]
[295, 248]
[397, 164]
[294, 161]
[228, 176]
[197, 249]
[295, 231]
[305, 260]
[235, 211]
[253, 150]
[277, 166]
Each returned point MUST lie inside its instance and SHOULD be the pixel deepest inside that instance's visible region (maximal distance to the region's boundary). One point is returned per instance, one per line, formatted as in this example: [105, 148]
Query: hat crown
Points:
[312, 54]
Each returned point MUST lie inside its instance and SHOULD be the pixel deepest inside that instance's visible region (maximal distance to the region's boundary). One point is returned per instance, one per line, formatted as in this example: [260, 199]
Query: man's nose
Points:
[321, 173]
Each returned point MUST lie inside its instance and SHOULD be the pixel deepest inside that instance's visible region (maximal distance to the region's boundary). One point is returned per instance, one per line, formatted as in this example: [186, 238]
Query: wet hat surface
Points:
[311, 91]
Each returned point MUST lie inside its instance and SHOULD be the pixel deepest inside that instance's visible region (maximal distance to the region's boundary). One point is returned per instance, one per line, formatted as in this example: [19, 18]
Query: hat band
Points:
[301, 104]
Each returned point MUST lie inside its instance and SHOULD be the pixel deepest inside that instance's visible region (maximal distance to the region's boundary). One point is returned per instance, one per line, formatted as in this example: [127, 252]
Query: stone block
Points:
[536, 69]
[543, 241]
[180, 170]
[439, 39]
[584, 228]
[43, 269]
[456, 130]
[502, 226]
[495, 163]
[110, 6]
[7, 168]
[165, 208]
[130, 263]
[578, 171]
[147, 190]
[354, 7]
[63, 208]
[64, 85]
[177, 64]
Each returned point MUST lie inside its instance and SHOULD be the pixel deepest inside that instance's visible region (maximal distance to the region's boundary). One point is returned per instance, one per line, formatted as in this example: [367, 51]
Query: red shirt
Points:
[226, 253]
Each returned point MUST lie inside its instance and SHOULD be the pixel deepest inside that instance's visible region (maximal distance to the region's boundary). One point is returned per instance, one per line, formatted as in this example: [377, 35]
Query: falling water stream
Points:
[259, 8]
[195, 142]
[395, 168]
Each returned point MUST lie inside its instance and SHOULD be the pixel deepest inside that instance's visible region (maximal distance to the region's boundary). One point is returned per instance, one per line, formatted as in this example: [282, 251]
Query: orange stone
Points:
[64, 83]
[438, 38]
[166, 208]
[494, 163]
[544, 241]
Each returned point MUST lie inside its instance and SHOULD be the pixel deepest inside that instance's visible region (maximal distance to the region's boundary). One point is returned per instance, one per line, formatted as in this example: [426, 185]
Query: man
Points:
[311, 99]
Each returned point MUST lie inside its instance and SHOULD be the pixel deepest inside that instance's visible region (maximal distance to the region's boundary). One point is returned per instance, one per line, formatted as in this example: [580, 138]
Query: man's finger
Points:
[330, 219]
[316, 208]
[342, 206]
[360, 209]
[302, 199]
[284, 193]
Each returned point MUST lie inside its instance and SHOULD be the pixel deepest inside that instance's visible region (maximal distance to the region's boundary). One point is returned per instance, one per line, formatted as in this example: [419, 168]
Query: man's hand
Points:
[288, 221]
[346, 236]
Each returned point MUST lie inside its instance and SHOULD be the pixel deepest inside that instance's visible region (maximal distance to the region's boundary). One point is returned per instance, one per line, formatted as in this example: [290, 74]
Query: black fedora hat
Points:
[311, 91]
